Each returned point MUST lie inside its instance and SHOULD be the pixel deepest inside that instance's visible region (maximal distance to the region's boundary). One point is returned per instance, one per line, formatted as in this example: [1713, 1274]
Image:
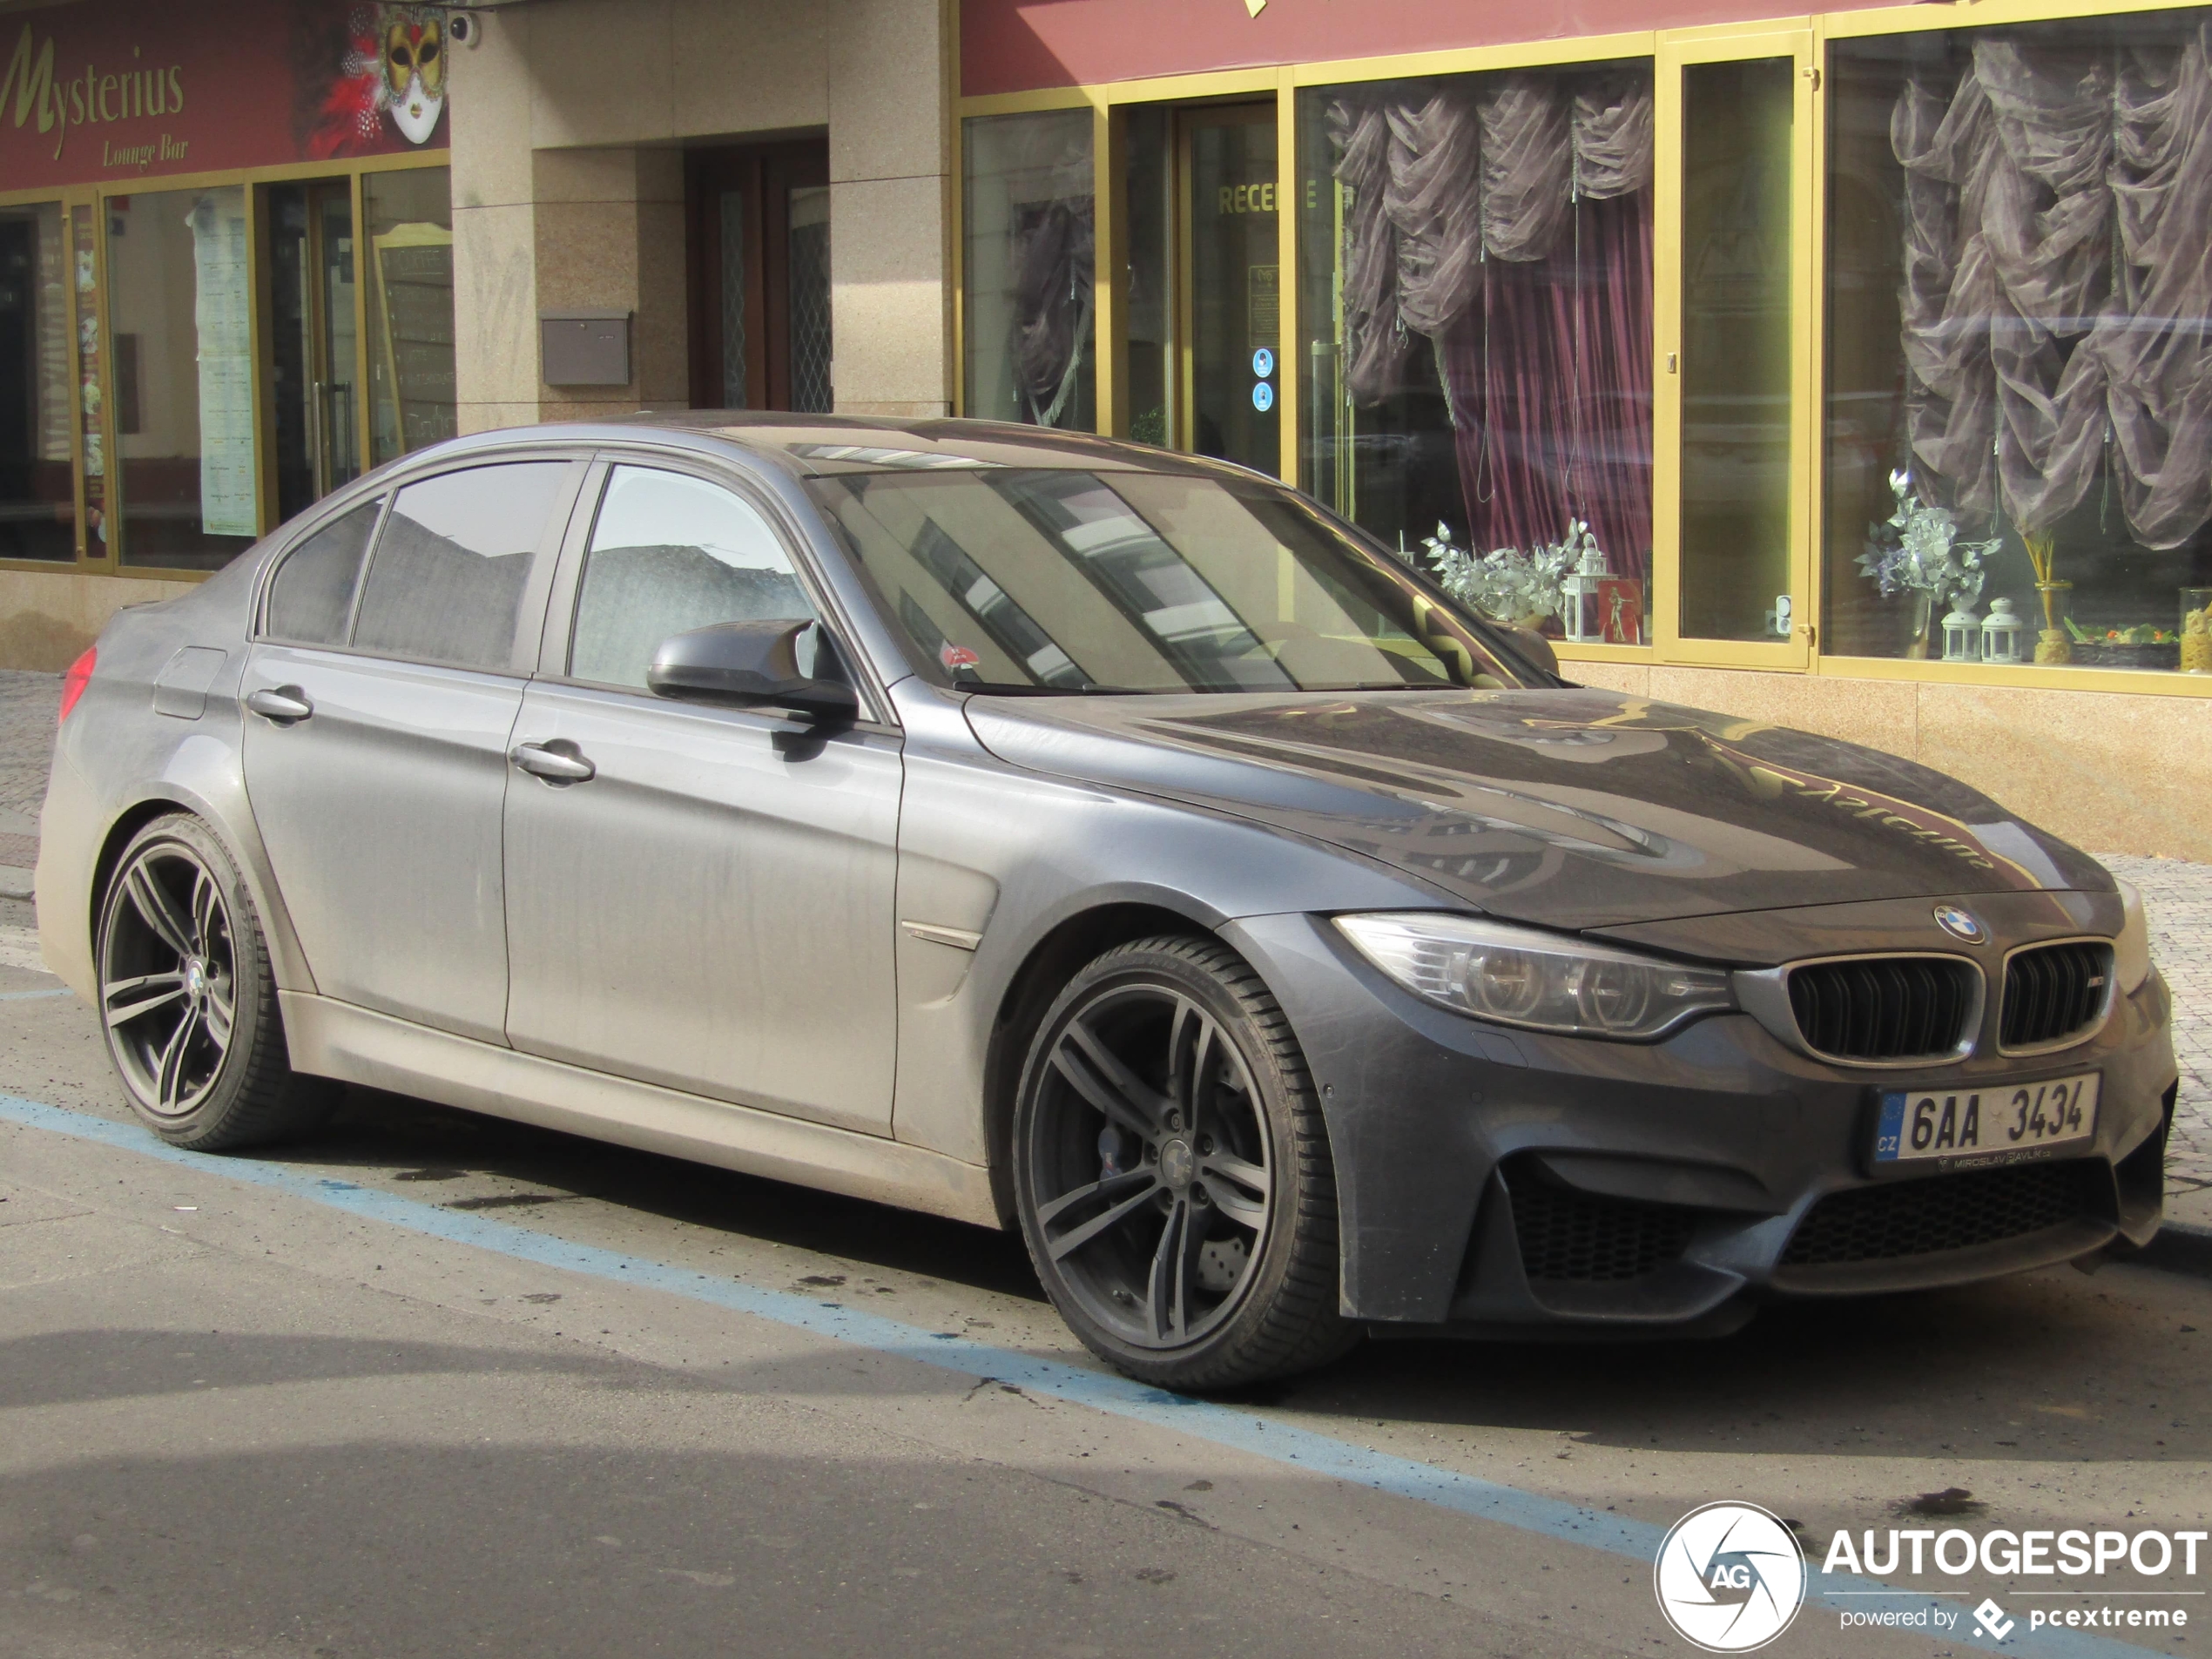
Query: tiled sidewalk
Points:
[2177, 895]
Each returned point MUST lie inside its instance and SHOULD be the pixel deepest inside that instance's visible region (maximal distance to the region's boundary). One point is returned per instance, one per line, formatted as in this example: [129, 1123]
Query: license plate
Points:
[1982, 1126]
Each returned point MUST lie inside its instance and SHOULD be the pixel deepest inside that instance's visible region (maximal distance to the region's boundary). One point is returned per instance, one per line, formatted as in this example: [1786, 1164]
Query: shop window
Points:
[410, 309]
[2019, 420]
[37, 498]
[1736, 384]
[177, 281]
[1476, 301]
[1027, 267]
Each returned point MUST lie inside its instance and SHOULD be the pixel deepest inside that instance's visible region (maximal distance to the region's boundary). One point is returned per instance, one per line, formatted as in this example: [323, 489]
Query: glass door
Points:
[1231, 286]
[1734, 150]
[315, 342]
[758, 229]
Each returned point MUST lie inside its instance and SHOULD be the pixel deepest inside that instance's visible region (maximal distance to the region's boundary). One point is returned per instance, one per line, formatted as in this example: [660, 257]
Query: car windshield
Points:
[1037, 581]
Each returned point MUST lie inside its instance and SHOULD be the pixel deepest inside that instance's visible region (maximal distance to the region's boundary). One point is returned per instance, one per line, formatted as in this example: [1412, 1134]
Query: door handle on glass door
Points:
[557, 762]
[284, 705]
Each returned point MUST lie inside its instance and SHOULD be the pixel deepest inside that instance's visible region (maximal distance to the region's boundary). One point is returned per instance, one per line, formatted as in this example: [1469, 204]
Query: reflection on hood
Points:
[1571, 808]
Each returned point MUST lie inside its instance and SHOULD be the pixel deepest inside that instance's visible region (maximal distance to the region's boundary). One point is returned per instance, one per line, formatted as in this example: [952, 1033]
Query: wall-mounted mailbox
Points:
[585, 347]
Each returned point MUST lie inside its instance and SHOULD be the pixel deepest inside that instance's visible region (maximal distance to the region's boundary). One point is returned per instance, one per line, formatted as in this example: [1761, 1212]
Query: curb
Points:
[2179, 1248]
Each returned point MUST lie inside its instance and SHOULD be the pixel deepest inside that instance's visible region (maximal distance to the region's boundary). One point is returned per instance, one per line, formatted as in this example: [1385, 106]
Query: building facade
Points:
[1849, 371]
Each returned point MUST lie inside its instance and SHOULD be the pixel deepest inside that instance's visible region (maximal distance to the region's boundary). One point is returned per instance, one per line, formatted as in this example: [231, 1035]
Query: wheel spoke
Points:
[1192, 1042]
[1102, 1079]
[126, 999]
[1167, 1297]
[169, 1083]
[153, 902]
[216, 1013]
[205, 914]
[1109, 1187]
[1226, 1192]
[1074, 1239]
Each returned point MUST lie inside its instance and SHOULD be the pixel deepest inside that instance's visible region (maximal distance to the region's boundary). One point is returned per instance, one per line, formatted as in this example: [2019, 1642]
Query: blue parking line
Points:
[28, 996]
[1225, 1425]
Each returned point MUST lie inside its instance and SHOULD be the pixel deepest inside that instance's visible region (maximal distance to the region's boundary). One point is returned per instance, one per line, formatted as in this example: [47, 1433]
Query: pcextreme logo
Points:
[1730, 1577]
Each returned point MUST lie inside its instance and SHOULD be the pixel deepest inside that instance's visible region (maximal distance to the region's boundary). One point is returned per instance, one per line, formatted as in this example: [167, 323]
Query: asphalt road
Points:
[436, 1385]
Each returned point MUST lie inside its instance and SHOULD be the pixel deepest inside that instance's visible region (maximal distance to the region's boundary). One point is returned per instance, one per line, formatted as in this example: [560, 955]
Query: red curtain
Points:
[1549, 373]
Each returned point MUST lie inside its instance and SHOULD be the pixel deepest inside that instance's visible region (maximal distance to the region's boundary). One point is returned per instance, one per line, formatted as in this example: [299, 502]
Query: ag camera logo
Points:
[1730, 1577]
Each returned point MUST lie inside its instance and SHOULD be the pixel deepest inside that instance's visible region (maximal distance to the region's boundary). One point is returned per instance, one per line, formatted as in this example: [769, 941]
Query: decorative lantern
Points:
[1960, 629]
[2000, 633]
[1581, 585]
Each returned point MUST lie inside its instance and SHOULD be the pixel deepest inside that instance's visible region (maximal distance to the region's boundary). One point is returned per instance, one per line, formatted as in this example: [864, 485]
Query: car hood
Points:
[1571, 808]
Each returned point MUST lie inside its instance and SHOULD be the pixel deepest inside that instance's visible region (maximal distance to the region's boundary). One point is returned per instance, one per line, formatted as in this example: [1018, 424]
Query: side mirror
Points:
[1534, 648]
[785, 663]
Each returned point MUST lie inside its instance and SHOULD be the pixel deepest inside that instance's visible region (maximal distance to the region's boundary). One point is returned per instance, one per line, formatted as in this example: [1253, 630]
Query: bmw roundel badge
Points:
[1960, 923]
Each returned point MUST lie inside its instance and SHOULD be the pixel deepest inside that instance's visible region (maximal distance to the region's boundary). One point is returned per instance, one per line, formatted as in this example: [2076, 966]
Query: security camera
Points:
[463, 28]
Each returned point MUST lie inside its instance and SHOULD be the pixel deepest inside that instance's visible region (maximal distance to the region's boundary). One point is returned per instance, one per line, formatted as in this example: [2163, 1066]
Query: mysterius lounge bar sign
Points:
[119, 89]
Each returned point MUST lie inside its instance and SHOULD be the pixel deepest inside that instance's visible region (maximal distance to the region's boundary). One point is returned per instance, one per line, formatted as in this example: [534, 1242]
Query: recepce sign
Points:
[117, 89]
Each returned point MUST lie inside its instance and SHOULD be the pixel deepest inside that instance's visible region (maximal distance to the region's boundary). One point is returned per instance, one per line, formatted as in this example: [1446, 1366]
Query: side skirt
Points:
[331, 1039]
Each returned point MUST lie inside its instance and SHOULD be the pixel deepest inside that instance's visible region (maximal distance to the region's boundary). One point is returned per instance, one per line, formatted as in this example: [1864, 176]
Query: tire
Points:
[188, 1001]
[1172, 1174]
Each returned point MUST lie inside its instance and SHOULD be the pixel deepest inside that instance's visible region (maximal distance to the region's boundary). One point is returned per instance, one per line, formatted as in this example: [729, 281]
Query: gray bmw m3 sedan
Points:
[1067, 836]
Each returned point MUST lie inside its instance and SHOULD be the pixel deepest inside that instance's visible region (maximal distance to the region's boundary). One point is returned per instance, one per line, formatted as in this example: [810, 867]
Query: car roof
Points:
[823, 445]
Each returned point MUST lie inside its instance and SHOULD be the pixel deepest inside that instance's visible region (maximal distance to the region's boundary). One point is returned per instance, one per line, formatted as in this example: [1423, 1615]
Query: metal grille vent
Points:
[2054, 992]
[1884, 1007]
[1565, 1234]
[1947, 1212]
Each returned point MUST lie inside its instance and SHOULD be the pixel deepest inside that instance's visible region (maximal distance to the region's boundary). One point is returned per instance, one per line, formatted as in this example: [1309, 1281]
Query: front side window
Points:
[1476, 301]
[1053, 581]
[2018, 419]
[454, 564]
[670, 553]
[312, 597]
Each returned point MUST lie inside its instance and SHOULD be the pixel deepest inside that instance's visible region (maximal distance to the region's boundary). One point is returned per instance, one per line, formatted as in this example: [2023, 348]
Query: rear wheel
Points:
[1172, 1173]
[187, 1000]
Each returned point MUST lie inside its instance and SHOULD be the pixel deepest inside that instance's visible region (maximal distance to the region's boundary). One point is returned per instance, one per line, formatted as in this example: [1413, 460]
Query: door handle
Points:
[544, 760]
[282, 706]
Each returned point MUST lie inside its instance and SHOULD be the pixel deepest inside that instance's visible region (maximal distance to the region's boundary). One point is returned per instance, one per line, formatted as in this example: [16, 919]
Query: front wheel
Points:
[1172, 1173]
[187, 1000]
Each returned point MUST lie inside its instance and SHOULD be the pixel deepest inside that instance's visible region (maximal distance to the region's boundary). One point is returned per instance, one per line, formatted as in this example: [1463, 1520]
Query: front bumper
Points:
[1492, 1182]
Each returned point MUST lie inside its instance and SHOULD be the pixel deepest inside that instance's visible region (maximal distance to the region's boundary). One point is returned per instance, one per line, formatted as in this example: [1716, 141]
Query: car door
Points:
[379, 711]
[697, 897]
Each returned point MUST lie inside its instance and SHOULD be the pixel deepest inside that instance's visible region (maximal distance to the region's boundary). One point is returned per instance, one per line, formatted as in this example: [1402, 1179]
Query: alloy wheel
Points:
[1152, 1165]
[168, 978]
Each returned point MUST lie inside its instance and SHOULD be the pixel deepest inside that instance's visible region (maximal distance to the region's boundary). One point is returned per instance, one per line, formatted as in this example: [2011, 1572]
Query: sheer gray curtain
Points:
[1445, 175]
[2057, 225]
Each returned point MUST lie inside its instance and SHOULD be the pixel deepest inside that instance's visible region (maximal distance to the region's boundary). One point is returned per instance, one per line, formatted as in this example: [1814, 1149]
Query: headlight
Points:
[1543, 981]
[2131, 951]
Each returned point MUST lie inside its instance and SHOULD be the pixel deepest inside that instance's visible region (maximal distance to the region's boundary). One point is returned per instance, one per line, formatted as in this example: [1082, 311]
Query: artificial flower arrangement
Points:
[1505, 582]
[1928, 562]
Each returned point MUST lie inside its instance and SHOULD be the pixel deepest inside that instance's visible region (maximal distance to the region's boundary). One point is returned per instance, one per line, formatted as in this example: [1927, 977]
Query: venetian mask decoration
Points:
[415, 69]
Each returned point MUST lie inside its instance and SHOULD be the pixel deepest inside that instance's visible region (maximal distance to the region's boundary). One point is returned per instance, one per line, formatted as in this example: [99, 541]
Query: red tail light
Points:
[74, 681]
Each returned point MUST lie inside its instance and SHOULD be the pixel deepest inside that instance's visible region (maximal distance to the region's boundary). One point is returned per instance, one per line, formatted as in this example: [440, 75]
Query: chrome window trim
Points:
[1764, 992]
[2075, 1039]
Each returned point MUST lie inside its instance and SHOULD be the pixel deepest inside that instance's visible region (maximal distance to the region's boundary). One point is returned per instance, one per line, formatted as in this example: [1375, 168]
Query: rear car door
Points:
[710, 908]
[378, 713]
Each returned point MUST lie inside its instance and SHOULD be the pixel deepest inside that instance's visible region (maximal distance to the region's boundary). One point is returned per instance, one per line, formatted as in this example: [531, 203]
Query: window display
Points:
[38, 505]
[1475, 270]
[2019, 374]
[1027, 269]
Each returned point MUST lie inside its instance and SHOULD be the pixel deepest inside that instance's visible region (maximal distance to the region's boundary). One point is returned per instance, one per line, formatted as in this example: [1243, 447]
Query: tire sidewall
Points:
[249, 970]
[1150, 963]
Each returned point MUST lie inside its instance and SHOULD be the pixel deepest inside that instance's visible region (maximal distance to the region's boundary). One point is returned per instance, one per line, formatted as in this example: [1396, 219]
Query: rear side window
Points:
[313, 594]
[670, 553]
[454, 564]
